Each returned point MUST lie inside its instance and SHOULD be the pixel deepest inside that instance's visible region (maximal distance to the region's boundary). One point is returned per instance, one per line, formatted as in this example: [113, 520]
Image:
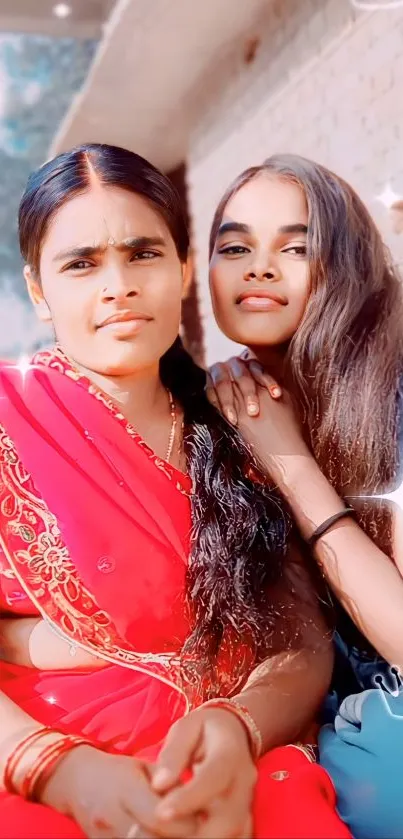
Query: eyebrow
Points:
[128, 244]
[233, 227]
[293, 228]
[237, 227]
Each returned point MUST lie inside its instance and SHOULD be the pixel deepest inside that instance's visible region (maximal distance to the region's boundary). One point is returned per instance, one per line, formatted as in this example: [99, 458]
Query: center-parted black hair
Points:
[240, 527]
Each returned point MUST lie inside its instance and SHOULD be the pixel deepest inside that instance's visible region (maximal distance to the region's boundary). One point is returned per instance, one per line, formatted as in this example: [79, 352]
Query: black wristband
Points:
[323, 528]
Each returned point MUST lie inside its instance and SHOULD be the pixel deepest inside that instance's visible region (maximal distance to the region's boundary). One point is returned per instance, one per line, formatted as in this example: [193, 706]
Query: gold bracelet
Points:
[308, 750]
[234, 707]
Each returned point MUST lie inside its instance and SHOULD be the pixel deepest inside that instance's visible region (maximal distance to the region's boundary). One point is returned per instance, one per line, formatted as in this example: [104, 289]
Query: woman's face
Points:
[259, 274]
[110, 281]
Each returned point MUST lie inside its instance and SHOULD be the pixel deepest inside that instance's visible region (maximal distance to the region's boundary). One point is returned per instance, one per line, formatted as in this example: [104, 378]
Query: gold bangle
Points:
[308, 750]
[231, 704]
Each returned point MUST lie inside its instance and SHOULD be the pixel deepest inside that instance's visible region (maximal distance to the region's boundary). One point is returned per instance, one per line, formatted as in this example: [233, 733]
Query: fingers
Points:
[97, 825]
[177, 753]
[220, 393]
[221, 823]
[264, 379]
[247, 385]
[239, 380]
[247, 830]
[137, 832]
[229, 816]
[211, 779]
[140, 804]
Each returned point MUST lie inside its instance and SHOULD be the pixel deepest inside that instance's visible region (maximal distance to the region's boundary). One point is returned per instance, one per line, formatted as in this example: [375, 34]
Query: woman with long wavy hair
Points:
[300, 276]
[147, 596]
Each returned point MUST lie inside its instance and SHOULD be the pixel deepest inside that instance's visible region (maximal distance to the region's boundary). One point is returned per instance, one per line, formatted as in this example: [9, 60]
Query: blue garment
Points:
[363, 753]
[355, 670]
[362, 745]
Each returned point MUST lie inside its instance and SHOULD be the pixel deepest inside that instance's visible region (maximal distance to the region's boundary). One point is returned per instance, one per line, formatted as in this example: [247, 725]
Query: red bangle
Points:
[41, 770]
[28, 780]
[17, 754]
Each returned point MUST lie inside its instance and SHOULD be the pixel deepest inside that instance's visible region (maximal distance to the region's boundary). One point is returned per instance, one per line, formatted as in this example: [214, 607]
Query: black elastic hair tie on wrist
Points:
[323, 528]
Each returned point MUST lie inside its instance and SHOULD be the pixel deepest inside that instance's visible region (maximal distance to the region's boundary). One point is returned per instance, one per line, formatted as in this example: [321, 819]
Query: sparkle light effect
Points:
[376, 5]
[62, 10]
[388, 196]
[23, 365]
[396, 496]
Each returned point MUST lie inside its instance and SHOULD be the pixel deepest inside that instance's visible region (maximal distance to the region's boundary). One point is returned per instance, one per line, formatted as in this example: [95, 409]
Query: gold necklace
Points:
[174, 423]
[172, 407]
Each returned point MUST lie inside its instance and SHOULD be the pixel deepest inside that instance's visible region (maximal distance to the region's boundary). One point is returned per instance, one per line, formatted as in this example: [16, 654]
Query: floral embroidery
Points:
[32, 552]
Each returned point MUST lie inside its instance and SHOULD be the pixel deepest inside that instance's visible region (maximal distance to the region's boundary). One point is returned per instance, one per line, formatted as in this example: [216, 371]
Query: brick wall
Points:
[327, 82]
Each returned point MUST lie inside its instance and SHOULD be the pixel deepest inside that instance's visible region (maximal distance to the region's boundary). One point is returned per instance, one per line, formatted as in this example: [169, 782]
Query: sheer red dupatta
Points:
[95, 526]
[96, 529]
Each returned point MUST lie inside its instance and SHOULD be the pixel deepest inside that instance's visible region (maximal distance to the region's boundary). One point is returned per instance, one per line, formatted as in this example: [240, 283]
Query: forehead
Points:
[267, 200]
[100, 214]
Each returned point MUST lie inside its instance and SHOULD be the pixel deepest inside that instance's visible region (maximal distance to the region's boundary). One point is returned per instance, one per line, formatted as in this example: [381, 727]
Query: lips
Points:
[124, 317]
[260, 300]
[262, 294]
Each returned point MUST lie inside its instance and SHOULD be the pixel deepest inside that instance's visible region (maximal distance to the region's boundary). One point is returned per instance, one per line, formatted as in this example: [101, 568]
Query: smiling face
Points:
[259, 273]
[110, 280]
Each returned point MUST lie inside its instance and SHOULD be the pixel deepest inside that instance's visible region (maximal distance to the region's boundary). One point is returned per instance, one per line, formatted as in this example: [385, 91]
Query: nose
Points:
[119, 285]
[262, 268]
[259, 275]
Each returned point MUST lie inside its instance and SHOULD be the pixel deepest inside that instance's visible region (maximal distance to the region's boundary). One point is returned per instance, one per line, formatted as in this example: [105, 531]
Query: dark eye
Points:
[144, 255]
[296, 250]
[234, 250]
[79, 265]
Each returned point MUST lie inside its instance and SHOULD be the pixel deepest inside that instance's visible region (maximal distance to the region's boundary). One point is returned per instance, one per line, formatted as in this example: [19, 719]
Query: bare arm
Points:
[77, 778]
[367, 582]
[33, 643]
[284, 694]
[15, 725]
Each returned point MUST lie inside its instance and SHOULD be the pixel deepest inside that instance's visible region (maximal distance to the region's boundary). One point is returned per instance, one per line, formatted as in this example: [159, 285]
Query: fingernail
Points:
[162, 777]
[231, 416]
[253, 409]
[275, 391]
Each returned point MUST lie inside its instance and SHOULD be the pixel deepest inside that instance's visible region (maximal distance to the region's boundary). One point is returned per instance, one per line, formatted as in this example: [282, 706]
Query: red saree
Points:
[94, 537]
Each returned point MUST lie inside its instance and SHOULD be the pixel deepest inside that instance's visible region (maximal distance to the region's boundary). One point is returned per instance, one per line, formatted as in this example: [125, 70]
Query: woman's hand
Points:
[249, 377]
[109, 796]
[211, 744]
[253, 401]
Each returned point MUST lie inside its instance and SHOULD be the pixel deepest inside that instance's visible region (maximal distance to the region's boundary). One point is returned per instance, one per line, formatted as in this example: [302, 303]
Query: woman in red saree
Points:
[143, 565]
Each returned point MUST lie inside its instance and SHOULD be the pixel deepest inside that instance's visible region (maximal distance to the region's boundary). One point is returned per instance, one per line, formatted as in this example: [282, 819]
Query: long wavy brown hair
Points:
[345, 361]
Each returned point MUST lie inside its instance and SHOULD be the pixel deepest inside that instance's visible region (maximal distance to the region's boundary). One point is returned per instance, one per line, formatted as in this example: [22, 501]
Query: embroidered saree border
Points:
[34, 549]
